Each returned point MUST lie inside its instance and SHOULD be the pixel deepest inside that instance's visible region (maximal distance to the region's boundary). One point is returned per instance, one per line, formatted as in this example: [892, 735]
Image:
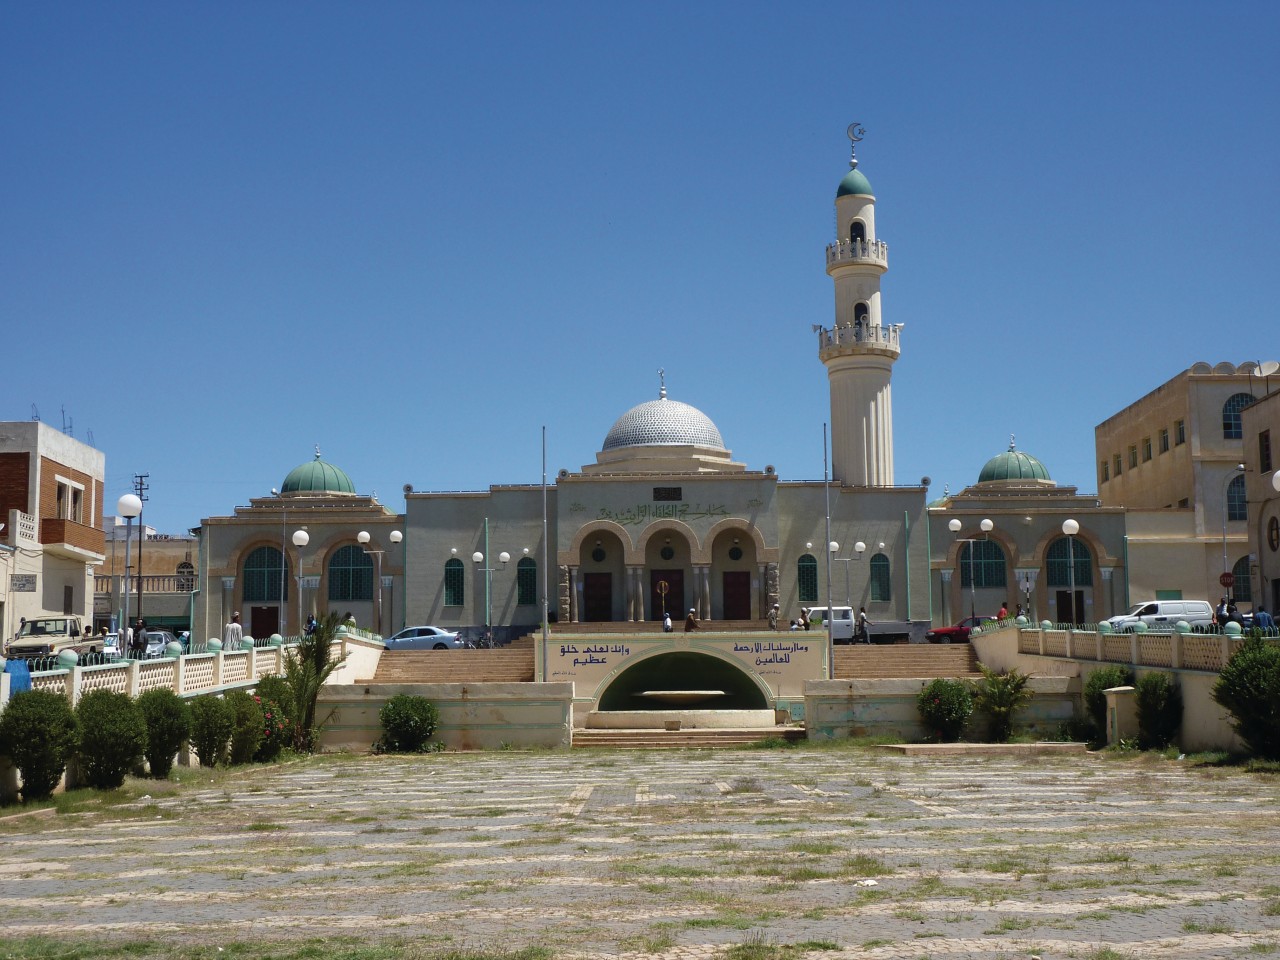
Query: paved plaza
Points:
[682, 854]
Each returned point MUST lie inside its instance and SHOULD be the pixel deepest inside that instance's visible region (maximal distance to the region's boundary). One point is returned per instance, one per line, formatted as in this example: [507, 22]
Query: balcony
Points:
[845, 252]
[859, 338]
[74, 541]
[182, 583]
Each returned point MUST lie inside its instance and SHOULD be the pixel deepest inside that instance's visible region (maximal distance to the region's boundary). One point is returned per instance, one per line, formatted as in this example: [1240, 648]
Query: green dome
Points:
[1013, 465]
[317, 476]
[854, 184]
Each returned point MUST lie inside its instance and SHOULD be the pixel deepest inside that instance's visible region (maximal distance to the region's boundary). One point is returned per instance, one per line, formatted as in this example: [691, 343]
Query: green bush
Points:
[168, 719]
[1249, 688]
[246, 726]
[1159, 702]
[38, 733]
[212, 721]
[945, 707]
[407, 724]
[277, 690]
[113, 737]
[277, 730]
[1095, 698]
[999, 696]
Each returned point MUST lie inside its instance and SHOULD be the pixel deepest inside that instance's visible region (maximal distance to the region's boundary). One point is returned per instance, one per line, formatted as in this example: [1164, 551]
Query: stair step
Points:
[682, 739]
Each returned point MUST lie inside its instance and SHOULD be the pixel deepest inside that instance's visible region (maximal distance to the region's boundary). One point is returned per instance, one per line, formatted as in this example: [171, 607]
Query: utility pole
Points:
[140, 487]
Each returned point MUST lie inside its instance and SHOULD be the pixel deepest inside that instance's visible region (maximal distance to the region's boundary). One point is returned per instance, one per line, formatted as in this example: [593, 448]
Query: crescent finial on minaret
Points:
[855, 134]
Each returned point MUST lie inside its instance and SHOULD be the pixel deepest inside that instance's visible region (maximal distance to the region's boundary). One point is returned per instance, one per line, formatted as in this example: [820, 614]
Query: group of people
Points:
[690, 622]
[1226, 612]
[861, 633]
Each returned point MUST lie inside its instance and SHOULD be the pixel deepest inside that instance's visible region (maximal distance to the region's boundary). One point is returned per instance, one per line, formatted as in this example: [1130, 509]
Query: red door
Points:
[666, 594]
[264, 621]
[597, 597]
[737, 595]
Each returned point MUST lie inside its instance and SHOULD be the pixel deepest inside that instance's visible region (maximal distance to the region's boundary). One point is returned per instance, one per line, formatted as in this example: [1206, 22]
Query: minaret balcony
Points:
[859, 338]
[872, 252]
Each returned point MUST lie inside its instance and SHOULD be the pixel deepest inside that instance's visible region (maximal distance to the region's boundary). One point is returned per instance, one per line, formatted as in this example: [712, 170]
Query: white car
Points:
[424, 638]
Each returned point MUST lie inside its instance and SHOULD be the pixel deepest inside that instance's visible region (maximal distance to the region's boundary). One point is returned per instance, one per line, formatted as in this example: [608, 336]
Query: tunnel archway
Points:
[683, 671]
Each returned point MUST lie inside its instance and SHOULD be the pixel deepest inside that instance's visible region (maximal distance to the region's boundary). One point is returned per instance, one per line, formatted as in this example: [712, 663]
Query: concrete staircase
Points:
[683, 739]
[502, 665]
[924, 660]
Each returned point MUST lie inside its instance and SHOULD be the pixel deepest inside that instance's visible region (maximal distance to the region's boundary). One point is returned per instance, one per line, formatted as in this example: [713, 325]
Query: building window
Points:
[1237, 506]
[1133, 457]
[860, 314]
[1164, 439]
[1146, 449]
[70, 502]
[186, 577]
[526, 582]
[987, 568]
[1057, 563]
[1231, 428]
[1104, 471]
[350, 574]
[881, 581]
[1264, 450]
[1242, 589]
[807, 578]
[1116, 463]
[264, 574]
[1179, 433]
[454, 585]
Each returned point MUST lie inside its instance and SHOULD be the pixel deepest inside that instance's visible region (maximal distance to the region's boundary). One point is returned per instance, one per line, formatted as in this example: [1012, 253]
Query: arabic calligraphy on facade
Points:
[646, 512]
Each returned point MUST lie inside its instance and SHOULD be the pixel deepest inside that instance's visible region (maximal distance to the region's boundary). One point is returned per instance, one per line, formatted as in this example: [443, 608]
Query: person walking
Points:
[138, 645]
[232, 633]
[691, 622]
[1263, 620]
[773, 617]
[864, 635]
[666, 623]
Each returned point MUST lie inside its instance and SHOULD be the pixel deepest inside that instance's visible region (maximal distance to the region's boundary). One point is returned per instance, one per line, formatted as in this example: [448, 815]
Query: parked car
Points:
[1164, 615]
[424, 638]
[157, 640]
[842, 623]
[959, 633]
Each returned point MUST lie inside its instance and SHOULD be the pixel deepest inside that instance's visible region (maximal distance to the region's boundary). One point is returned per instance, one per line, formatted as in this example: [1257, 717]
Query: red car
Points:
[959, 633]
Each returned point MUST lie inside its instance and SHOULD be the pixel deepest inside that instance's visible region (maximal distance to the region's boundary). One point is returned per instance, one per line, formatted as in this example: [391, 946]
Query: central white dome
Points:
[663, 422]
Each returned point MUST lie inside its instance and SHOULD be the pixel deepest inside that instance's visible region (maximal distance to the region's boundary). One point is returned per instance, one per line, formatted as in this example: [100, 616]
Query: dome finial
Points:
[317, 451]
[855, 134]
[662, 384]
[1011, 445]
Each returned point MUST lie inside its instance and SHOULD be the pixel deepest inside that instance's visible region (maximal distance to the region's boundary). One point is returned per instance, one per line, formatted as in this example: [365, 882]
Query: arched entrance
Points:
[603, 570]
[668, 562]
[733, 560]
[672, 673]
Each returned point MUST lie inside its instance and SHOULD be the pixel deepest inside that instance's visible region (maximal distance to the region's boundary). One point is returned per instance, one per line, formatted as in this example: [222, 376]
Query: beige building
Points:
[1261, 422]
[161, 580]
[1172, 460]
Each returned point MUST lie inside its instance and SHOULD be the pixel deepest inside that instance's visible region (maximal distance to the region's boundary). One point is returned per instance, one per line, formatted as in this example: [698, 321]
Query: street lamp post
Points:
[363, 537]
[478, 558]
[1071, 528]
[858, 548]
[395, 536]
[130, 506]
[300, 539]
[1226, 488]
[987, 526]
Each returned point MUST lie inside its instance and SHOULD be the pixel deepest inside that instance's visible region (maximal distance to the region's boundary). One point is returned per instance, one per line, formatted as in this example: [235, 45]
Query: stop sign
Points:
[1228, 580]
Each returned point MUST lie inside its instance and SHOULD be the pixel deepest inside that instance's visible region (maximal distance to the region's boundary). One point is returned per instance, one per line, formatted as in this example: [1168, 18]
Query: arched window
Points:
[1242, 589]
[987, 568]
[262, 576]
[526, 582]
[807, 578]
[857, 231]
[1057, 563]
[350, 574]
[1237, 505]
[1231, 427]
[860, 313]
[186, 577]
[455, 593]
[881, 581]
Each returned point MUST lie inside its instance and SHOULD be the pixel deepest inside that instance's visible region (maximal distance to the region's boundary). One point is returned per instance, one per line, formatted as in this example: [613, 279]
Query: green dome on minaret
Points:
[317, 476]
[1014, 465]
[854, 184]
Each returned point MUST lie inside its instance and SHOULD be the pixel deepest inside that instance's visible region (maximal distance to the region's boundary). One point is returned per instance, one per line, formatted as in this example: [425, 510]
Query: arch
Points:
[737, 525]
[1232, 428]
[678, 527]
[592, 528]
[676, 670]
[861, 313]
[350, 572]
[1237, 504]
[526, 582]
[1058, 562]
[1242, 589]
[186, 576]
[857, 231]
[260, 576]
[881, 579]
[455, 583]
[989, 567]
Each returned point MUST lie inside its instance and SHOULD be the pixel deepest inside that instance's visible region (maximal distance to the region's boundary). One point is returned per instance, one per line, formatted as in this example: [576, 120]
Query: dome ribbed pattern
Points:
[663, 422]
[1013, 465]
[317, 476]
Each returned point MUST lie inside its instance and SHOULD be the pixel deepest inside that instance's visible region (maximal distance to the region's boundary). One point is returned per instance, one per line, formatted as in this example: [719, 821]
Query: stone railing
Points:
[858, 251]
[167, 583]
[1207, 652]
[22, 528]
[859, 333]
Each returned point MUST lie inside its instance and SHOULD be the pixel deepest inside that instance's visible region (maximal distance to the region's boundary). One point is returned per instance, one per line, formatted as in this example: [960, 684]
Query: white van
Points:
[841, 626]
[1165, 614]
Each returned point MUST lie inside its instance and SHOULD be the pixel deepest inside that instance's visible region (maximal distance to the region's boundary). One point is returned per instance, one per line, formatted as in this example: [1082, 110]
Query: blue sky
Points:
[416, 233]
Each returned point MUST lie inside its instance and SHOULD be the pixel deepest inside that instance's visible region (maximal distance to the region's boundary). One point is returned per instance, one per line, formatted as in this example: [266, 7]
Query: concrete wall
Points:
[473, 716]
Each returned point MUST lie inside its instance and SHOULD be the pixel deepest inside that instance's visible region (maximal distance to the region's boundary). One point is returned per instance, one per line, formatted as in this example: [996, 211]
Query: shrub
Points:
[277, 730]
[246, 726]
[407, 723]
[1095, 698]
[38, 732]
[1159, 701]
[999, 696]
[278, 691]
[1249, 688]
[113, 737]
[211, 723]
[168, 720]
[945, 707]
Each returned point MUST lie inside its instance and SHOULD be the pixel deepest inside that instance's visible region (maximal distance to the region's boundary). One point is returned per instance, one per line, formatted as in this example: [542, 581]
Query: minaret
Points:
[859, 350]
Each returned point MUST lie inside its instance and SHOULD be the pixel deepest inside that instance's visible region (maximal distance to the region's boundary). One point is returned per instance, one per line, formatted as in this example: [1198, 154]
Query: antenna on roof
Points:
[855, 134]
[35, 413]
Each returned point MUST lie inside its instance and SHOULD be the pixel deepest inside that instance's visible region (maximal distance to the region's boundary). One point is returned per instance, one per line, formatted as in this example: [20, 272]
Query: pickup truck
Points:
[959, 633]
[49, 636]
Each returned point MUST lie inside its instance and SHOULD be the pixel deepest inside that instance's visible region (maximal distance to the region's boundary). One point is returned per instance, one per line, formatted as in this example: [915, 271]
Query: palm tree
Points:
[306, 667]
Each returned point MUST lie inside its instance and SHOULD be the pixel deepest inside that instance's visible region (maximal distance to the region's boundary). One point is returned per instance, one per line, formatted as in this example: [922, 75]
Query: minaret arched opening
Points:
[857, 231]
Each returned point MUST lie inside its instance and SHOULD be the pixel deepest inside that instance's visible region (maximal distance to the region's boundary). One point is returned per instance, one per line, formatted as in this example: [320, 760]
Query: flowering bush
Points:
[945, 707]
[277, 729]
